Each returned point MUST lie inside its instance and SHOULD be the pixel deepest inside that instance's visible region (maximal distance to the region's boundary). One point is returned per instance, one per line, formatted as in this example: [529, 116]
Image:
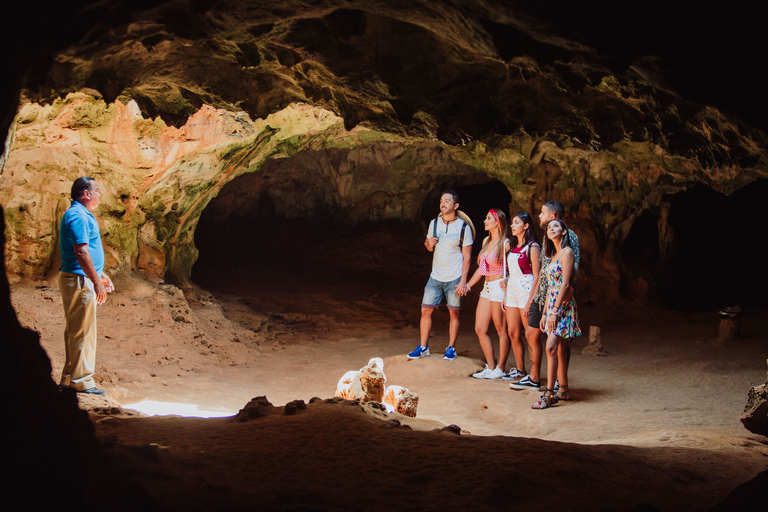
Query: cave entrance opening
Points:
[249, 244]
[246, 232]
[717, 249]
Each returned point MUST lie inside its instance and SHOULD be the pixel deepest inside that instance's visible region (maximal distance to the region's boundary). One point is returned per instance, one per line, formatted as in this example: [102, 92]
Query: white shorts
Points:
[518, 290]
[493, 291]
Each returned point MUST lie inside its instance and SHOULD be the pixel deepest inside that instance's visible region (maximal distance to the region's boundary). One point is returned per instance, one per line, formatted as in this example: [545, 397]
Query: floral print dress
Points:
[567, 325]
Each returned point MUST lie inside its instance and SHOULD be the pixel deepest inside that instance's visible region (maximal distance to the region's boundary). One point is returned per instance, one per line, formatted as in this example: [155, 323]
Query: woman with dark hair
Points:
[492, 264]
[523, 264]
[560, 321]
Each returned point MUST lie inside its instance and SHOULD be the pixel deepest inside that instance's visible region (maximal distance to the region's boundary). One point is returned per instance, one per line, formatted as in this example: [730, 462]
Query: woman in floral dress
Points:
[560, 321]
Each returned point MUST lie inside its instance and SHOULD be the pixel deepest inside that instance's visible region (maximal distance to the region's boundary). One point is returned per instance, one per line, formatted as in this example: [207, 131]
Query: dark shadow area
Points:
[718, 252]
[248, 244]
[511, 43]
[640, 253]
[244, 243]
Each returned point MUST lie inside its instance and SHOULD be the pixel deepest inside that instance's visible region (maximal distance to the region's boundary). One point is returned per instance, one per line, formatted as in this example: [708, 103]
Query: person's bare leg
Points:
[548, 399]
[533, 336]
[482, 323]
[425, 325]
[453, 327]
[553, 342]
[563, 360]
[514, 326]
[500, 323]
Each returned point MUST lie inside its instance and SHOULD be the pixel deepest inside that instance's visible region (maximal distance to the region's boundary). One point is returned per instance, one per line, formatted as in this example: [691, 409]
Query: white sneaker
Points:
[482, 373]
[496, 373]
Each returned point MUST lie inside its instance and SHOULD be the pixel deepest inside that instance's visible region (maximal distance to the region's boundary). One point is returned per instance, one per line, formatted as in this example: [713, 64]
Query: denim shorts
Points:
[436, 290]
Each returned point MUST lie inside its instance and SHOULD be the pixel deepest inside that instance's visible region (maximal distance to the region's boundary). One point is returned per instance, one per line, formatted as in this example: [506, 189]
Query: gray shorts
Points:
[534, 315]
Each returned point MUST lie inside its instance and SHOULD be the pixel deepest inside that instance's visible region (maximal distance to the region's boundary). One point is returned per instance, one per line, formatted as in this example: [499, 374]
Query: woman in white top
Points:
[523, 264]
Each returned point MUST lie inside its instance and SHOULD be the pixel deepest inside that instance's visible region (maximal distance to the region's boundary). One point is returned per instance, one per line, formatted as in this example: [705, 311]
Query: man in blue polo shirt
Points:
[83, 285]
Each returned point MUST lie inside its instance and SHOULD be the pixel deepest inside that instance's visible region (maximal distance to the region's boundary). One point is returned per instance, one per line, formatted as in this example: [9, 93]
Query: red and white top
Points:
[520, 255]
[490, 266]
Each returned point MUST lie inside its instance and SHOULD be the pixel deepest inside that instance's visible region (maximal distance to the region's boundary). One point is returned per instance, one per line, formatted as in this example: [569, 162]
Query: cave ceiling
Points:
[611, 109]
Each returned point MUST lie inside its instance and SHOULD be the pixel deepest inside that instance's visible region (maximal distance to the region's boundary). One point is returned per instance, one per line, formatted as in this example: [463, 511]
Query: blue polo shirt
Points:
[78, 226]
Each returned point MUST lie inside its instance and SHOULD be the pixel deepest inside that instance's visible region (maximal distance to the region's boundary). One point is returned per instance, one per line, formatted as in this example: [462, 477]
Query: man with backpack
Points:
[450, 238]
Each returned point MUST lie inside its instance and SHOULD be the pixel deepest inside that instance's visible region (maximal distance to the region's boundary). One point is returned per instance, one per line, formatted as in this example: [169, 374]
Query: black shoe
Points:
[93, 391]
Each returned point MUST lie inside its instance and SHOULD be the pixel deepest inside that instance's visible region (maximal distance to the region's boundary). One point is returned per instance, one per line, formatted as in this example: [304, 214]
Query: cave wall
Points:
[354, 111]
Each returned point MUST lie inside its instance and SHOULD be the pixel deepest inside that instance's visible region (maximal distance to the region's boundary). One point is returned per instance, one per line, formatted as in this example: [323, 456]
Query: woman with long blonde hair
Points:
[492, 265]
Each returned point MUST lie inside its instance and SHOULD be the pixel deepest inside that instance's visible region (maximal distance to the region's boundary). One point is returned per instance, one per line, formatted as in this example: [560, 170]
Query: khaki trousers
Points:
[79, 300]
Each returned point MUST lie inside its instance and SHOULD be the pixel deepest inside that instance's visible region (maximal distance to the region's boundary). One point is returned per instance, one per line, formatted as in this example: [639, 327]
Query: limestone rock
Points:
[595, 347]
[755, 415]
[402, 400]
[230, 119]
[367, 384]
[349, 386]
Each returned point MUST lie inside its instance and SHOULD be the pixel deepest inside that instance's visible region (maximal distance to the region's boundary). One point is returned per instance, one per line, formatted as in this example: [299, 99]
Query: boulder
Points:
[402, 400]
[257, 408]
[367, 384]
[755, 415]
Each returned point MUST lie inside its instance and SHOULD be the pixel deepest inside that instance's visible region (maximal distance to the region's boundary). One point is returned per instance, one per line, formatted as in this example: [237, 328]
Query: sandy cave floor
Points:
[665, 386]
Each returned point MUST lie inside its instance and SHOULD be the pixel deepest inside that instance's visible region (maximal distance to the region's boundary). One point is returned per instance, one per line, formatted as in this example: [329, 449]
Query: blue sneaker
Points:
[450, 354]
[419, 352]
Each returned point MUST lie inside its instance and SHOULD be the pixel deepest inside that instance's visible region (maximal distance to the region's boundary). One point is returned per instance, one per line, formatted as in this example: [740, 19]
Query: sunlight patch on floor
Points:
[153, 408]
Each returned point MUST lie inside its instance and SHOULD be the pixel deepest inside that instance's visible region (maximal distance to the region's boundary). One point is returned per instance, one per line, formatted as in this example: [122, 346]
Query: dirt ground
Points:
[660, 413]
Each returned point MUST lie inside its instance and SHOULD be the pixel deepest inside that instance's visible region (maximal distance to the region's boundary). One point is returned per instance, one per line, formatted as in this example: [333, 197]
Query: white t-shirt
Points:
[447, 259]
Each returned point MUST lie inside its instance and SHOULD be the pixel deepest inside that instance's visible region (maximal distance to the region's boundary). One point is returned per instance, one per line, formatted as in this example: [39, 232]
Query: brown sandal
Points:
[563, 393]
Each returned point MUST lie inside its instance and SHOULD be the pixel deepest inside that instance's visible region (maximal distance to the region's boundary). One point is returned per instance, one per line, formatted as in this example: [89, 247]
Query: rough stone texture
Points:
[349, 386]
[293, 406]
[319, 111]
[257, 408]
[755, 415]
[367, 384]
[402, 399]
[46, 431]
[595, 346]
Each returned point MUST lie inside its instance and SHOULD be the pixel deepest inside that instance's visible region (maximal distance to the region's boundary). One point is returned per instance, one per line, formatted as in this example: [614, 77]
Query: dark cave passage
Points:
[717, 254]
[640, 254]
[307, 252]
[242, 237]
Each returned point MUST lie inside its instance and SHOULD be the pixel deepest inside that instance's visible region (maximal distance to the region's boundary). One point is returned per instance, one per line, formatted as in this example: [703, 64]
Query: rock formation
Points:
[402, 400]
[318, 112]
[366, 385]
[453, 97]
[755, 415]
[595, 346]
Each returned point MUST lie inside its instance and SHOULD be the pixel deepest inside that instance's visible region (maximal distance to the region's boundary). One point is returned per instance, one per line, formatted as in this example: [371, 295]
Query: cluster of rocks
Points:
[367, 385]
